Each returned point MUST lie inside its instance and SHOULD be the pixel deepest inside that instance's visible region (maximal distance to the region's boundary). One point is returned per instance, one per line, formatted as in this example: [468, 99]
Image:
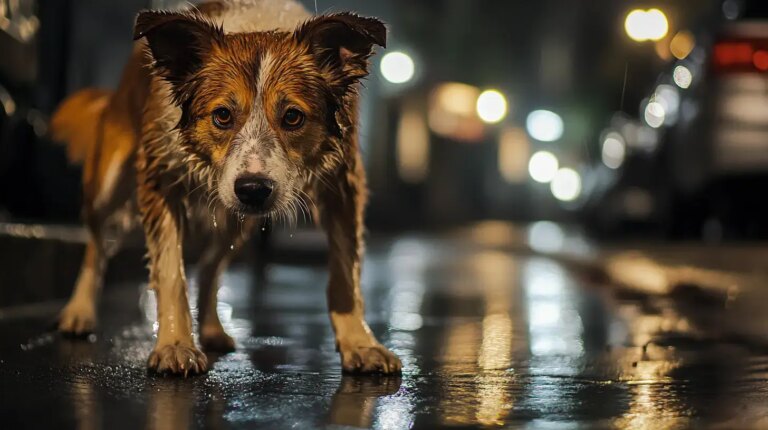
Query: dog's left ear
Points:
[342, 44]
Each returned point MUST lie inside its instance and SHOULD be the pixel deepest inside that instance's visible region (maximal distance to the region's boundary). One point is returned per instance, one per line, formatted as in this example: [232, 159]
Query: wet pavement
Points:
[489, 336]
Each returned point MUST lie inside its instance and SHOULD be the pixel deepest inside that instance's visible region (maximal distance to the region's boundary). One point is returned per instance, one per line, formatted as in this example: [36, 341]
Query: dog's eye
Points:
[222, 118]
[293, 119]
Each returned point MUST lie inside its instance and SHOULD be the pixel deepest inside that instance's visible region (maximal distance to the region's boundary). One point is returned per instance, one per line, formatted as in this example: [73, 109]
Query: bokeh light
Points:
[614, 150]
[642, 25]
[452, 112]
[682, 44]
[544, 125]
[760, 60]
[682, 77]
[514, 149]
[491, 106]
[543, 166]
[566, 185]
[654, 114]
[397, 67]
[731, 9]
[412, 144]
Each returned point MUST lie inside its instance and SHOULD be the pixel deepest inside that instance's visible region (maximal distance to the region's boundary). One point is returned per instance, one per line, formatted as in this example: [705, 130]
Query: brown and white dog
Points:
[231, 108]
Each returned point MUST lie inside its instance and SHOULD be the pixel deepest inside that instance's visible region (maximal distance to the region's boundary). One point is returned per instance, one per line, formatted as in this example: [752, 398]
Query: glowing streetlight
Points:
[397, 67]
[642, 25]
[491, 106]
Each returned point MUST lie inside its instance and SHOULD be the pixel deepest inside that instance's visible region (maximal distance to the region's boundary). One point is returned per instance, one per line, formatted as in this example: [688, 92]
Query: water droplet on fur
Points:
[232, 247]
[242, 217]
[263, 229]
[215, 224]
[291, 235]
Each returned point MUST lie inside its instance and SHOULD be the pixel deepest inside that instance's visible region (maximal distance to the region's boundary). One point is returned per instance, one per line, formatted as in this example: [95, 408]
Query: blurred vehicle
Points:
[695, 159]
[718, 150]
[626, 188]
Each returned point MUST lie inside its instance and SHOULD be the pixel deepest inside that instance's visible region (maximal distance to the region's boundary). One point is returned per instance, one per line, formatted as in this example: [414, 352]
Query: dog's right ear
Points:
[178, 41]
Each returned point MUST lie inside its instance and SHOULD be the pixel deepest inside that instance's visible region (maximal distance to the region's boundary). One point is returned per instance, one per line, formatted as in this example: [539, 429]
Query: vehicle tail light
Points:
[740, 56]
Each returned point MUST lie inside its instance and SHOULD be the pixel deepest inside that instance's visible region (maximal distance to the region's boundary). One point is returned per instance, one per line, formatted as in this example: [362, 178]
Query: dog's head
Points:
[261, 111]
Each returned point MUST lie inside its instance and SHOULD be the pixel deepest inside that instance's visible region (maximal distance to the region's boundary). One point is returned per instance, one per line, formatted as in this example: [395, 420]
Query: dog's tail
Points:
[76, 122]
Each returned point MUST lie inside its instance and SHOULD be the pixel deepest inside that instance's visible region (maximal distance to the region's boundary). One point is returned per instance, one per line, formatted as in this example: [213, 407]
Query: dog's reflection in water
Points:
[355, 400]
[171, 405]
[173, 402]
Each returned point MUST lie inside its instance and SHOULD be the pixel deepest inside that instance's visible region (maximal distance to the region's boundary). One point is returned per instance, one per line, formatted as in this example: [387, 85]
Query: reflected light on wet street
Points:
[490, 334]
[554, 325]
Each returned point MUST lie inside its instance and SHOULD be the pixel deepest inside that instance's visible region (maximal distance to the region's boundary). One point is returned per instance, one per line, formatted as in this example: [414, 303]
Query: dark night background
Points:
[594, 256]
[573, 58]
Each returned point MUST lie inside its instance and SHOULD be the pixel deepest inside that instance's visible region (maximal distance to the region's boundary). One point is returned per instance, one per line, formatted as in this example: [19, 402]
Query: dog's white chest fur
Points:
[242, 16]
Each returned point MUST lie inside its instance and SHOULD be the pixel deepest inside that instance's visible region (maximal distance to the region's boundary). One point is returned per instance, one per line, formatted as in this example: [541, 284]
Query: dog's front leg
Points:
[175, 350]
[343, 220]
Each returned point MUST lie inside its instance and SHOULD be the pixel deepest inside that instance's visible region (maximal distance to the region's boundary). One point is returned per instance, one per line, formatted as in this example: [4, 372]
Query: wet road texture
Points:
[489, 337]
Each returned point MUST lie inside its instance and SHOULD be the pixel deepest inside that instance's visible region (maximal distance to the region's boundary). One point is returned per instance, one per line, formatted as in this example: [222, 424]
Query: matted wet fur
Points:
[230, 111]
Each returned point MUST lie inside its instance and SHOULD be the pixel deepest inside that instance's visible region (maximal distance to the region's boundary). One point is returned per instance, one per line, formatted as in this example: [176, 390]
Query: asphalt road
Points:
[489, 336]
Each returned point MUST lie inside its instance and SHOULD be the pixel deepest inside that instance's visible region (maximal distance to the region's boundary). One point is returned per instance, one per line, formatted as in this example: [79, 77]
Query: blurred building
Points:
[461, 123]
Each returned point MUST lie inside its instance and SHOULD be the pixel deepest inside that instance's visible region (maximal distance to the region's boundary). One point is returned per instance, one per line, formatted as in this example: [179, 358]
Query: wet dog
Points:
[227, 112]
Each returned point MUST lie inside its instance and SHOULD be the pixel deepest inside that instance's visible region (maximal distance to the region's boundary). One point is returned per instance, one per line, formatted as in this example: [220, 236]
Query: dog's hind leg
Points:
[79, 315]
[107, 189]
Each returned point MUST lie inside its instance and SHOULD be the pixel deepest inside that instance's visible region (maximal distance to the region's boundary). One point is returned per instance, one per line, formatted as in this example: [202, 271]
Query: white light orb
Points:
[566, 185]
[543, 166]
[682, 77]
[544, 125]
[397, 67]
[657, 25]
[642, 25]
[491, 106]
[654, 114]
[614, 150]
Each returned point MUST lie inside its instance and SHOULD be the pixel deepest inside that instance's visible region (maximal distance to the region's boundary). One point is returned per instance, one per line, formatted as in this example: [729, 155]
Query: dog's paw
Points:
[216, 340]
[369, 359]
[177, 359]
[77, 319]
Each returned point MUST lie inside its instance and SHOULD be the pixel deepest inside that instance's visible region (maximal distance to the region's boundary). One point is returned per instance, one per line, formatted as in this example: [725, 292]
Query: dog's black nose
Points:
[254, 192]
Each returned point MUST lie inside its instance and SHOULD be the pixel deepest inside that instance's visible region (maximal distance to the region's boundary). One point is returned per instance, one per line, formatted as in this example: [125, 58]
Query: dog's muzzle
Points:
[255, 192]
